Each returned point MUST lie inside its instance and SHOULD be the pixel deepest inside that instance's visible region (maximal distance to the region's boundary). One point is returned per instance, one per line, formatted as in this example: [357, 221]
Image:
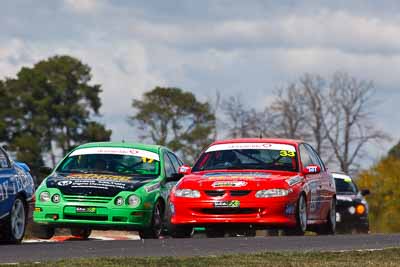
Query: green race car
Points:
[107, 186]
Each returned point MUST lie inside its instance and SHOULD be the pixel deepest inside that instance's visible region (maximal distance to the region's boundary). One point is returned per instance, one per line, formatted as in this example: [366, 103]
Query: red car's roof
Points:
[259, 140]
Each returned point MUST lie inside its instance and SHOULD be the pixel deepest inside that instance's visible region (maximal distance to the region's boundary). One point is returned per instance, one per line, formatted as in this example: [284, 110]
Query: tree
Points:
[289, 110]
[313, 90]
[174, 118]
[383, 180]
[395, 151]
[348, 124]
[241, 121]
[334, 115]
[51, 105]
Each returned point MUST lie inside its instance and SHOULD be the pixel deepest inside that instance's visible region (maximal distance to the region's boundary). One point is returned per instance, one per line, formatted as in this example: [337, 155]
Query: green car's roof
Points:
[152, 148]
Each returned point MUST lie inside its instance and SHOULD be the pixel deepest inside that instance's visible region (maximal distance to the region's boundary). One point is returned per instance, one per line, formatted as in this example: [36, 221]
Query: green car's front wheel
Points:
[81, 233]
[43, 231]
[155, 229]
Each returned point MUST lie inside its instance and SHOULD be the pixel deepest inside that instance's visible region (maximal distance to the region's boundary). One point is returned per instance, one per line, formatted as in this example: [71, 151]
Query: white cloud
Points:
[84, 6]
[327, 29]
[131, 52]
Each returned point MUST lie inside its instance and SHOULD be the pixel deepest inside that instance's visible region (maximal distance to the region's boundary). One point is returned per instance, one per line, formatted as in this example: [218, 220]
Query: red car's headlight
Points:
[272, 193]
[190, 193]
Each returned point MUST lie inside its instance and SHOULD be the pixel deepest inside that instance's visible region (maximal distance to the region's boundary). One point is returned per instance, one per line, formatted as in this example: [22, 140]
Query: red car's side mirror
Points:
[312, 169]
[184, 169]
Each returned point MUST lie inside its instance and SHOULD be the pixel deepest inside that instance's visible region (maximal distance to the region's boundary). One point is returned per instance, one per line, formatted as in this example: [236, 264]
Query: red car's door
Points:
[313, 185]
[326, 184]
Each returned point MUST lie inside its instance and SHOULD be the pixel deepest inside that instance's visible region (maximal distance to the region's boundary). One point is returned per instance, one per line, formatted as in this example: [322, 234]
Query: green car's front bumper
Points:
[101, 213]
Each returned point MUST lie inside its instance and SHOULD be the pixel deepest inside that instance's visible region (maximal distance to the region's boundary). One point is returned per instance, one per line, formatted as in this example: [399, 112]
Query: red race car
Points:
[240, 185]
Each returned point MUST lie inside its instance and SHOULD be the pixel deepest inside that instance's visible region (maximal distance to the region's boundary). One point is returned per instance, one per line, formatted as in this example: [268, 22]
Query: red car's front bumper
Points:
[264, 212]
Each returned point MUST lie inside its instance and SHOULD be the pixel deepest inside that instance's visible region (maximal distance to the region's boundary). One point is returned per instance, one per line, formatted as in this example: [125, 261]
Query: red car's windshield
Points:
[248, 156]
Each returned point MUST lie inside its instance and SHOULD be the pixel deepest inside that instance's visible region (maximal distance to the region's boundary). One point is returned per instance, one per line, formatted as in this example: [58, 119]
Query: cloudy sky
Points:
[236, 47]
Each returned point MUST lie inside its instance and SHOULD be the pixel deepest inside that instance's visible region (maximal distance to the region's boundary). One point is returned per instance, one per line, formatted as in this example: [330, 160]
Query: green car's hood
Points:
[95, 184]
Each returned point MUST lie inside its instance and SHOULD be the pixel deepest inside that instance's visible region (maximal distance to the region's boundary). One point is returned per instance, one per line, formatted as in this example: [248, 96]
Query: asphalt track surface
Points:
[192, 247]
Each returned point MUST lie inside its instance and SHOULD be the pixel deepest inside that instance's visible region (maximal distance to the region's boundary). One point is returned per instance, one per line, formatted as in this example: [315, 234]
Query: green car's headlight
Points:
[133, 201]
[44, 196]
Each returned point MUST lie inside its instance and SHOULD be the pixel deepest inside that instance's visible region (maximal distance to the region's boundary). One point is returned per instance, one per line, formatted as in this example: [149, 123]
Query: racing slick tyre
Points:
[272, 232]
[16, 222]
[215, 232]
[329, 228]
[43, 231]
[251, 232]
[180, 231]
[155, 229]
[301, 218]
[81, 233]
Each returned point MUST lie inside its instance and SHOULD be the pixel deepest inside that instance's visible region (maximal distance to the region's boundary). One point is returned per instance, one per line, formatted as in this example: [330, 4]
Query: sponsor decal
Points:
[92, 181]
[290, 209]
[98, 177]
[227, 204]
[294, 180]
[270, 146]
[85, 183]
[64, 183]
[316, 198]
[151, 188]
[4, 191]
[238, 175]
[347, 180]
[286, 153]
[229, 184]
[117, 151]
[341, 176]
[344, 198]
[85, 210]
[312, 169]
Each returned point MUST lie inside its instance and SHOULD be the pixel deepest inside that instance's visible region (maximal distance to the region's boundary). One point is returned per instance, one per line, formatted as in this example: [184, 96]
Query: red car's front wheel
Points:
[301, 218]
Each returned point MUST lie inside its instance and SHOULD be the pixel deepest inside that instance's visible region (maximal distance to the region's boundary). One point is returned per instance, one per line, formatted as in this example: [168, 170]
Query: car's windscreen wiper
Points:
[251, 157]
[101, 171]
[73, 170]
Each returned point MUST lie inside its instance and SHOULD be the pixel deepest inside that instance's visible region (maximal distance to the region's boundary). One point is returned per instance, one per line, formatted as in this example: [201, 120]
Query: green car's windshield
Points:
[242, 156]
[116, 161]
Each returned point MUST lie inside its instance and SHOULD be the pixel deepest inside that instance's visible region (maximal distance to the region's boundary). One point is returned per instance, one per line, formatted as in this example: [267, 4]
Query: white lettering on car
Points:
[4, 191]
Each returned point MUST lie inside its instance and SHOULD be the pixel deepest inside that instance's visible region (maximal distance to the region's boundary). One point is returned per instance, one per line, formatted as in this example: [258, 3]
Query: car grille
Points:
[240, 193]
[229, 211]
[233, 193]
[86, 218]
[215, 193]
[92, 199]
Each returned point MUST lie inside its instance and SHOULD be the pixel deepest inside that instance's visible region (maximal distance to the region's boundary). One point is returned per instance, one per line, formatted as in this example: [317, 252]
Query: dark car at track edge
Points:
[351, 205]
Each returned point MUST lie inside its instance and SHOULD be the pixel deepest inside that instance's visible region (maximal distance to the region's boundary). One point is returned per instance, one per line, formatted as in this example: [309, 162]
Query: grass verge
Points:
[387, 257]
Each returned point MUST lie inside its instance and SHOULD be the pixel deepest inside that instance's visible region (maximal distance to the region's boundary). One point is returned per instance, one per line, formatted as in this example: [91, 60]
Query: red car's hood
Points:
[236, 180]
